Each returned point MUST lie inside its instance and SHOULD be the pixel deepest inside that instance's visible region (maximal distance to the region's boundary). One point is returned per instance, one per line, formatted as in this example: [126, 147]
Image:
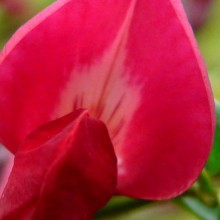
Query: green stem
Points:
[202, 199]
[208, 192]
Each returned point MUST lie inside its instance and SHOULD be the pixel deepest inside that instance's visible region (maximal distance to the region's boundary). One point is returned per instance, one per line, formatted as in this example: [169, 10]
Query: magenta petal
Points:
[135, 66]
[67, 169]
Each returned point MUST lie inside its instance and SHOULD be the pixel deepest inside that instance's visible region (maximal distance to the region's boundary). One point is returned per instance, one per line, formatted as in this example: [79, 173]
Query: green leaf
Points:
[166, 210]
[213, 164]
[208, 38]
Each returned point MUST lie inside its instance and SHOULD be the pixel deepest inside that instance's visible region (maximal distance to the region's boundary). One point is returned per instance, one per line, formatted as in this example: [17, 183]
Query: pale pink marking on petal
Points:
[105, 88]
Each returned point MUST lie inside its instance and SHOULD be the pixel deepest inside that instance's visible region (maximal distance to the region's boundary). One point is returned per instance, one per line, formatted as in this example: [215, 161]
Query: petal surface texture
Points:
[67, 169]
[135, 66]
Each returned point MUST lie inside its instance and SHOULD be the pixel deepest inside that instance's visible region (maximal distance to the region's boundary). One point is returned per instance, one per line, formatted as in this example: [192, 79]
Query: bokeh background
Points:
[201, 202]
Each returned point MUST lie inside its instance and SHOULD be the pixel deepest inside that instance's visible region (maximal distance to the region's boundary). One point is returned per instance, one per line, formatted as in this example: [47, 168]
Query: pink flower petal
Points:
[67, 169]
[135, 66]
[171, 133]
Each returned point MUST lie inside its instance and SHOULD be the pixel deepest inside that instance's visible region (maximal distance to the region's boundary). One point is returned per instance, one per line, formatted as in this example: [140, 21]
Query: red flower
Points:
[197, 11]
[13, 6]
[135, 66]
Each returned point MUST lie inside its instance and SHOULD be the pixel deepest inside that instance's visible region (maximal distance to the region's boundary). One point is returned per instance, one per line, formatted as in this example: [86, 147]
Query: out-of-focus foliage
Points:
[213, 165]
[197, 11]
[122, 208]
[209, 43]
[194, 205]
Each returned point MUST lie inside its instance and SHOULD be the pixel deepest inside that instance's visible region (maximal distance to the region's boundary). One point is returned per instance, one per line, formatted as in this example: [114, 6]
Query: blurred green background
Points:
[208, 37]
[201, 202]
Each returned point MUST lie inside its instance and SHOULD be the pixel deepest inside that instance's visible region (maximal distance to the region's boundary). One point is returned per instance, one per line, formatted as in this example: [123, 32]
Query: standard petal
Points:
[67, 169]
[134, 66]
